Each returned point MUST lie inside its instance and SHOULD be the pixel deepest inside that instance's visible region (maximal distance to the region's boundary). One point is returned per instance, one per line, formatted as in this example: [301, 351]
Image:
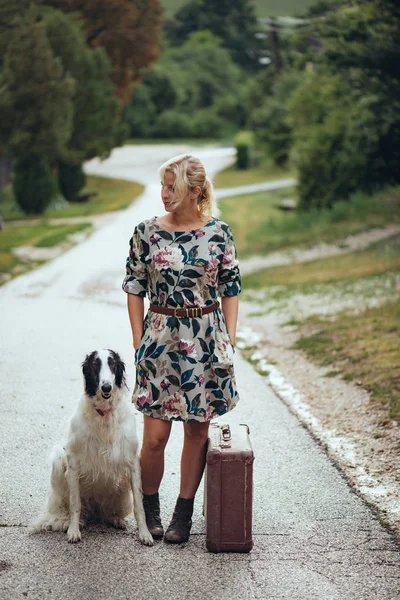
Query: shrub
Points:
[140, 113]
[244, 142]
[34, 184]
[71, 180]
[207, 124]
[172, 124]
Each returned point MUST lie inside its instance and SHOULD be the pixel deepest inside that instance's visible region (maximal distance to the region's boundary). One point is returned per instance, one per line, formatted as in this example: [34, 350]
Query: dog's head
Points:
[103, 372]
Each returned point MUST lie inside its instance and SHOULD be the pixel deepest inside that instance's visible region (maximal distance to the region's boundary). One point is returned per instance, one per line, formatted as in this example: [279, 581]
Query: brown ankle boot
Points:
[181, 522]
[151, 505]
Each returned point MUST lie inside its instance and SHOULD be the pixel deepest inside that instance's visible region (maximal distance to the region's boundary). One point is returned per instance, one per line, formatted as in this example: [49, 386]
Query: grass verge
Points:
[267, 171]
[111, 195]
[363, 348]
[378, 258]
[38, 234]
[259, 227]
[24, 230]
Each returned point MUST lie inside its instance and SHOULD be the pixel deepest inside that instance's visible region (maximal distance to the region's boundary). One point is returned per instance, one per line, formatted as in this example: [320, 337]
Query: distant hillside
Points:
[265, 8]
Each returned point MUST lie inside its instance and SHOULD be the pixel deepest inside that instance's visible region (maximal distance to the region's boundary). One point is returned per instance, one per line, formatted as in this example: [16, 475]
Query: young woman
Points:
[185, 261]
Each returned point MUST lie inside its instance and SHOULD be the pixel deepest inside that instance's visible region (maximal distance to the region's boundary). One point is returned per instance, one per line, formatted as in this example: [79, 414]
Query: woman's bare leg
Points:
[193, 457]
[155, 437]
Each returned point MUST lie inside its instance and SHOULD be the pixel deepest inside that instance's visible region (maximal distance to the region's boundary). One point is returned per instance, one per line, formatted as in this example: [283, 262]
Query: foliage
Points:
[36, 100]
[347, 115]
[126, 29]
[244, 142]
[95, 125]
[271, 123]
[58, 101]
[71, 179]
[140, 113]
[263, 9]
[193, 90]
[235, 23]
[34, 184]
[172, 124]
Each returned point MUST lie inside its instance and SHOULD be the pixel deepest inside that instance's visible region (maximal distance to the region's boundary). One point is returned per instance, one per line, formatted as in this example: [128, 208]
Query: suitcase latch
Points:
[225, 436]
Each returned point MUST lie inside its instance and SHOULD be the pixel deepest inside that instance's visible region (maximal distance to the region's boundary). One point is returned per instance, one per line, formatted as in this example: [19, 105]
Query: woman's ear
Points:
[196, 191]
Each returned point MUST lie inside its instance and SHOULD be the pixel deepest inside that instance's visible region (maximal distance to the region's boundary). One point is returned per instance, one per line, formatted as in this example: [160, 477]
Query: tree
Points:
[36, 100]
[193, 90]
[126, 29]
[270, 122]
[347, 114]
[95, 123]
[34, 184]
[235, 23]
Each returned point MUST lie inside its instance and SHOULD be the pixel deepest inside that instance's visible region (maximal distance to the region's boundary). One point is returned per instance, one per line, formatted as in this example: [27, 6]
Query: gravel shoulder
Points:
[338, 413]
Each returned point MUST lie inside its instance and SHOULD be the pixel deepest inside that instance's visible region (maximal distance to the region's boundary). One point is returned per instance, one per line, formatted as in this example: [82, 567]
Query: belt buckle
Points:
[193, 311]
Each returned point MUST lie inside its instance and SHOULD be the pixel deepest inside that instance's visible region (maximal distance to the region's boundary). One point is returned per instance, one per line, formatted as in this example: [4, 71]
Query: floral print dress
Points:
[184, 366]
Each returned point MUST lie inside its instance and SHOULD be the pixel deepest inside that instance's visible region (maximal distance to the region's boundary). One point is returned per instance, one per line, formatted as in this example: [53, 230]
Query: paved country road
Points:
[314, 538]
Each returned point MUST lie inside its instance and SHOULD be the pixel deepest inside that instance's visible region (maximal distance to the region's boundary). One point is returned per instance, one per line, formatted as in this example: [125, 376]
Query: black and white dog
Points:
[96, 472]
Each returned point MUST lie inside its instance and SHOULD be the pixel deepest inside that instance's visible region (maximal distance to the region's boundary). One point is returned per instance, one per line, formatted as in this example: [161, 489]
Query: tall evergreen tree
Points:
[95, 107]
[36, 94]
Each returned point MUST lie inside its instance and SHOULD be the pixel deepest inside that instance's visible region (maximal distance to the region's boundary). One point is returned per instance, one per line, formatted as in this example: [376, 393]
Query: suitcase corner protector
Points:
[213, 457]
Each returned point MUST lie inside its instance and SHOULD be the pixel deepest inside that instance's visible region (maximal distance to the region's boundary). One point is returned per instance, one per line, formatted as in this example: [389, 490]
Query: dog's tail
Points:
[55, 516]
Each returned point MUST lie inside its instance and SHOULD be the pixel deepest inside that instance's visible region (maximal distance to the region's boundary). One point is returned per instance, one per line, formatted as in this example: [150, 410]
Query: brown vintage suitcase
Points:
[228, 489]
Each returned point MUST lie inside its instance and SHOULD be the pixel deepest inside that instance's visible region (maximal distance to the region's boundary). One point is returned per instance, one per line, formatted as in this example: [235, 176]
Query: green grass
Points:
[378, 258]
[38, 234]
[259, 227]
[58, 233]
[268, 171]
[264, 8]
[363, 348]
[112, 195]
[24, 230]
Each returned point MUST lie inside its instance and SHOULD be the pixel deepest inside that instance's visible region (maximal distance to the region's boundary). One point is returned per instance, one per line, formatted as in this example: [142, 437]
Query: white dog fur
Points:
[96, 473]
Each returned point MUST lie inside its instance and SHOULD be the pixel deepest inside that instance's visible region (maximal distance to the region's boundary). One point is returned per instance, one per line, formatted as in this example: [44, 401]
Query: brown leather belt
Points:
[181, 313]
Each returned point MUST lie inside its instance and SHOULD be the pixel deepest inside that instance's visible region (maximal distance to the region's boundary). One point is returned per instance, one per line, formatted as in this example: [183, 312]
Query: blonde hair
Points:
[189, 173]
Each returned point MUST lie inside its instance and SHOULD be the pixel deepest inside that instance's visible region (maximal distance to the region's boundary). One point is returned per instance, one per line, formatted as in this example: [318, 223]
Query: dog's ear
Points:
[89, 374]
[119, 368]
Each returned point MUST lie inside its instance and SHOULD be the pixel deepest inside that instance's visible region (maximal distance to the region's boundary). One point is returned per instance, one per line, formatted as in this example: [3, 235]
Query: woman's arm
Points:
[136, 315]
[230, 308]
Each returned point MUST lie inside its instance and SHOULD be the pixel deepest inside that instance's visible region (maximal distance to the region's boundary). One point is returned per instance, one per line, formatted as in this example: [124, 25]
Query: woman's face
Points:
[168, 194]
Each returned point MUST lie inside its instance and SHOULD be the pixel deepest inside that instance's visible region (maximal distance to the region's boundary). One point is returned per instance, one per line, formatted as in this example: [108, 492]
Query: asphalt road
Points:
[314, 538]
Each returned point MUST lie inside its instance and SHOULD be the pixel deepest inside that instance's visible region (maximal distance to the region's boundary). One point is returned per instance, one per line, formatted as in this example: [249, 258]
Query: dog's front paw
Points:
[73, 535]
[145, 537]
[118, 523]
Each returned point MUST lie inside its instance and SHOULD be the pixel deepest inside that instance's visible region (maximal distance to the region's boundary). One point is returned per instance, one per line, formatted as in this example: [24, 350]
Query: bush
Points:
[34, 184]
[71, 180]
[172, 124]
[207, 124]
[355, 148]
[244, 142]
[140, 113]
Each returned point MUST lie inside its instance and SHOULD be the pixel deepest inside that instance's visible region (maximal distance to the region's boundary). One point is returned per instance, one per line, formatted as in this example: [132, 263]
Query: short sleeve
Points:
[228, 273]
[135, 281]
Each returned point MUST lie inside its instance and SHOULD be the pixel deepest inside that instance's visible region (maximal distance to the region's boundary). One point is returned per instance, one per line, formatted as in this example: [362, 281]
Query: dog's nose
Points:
[106, 388]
